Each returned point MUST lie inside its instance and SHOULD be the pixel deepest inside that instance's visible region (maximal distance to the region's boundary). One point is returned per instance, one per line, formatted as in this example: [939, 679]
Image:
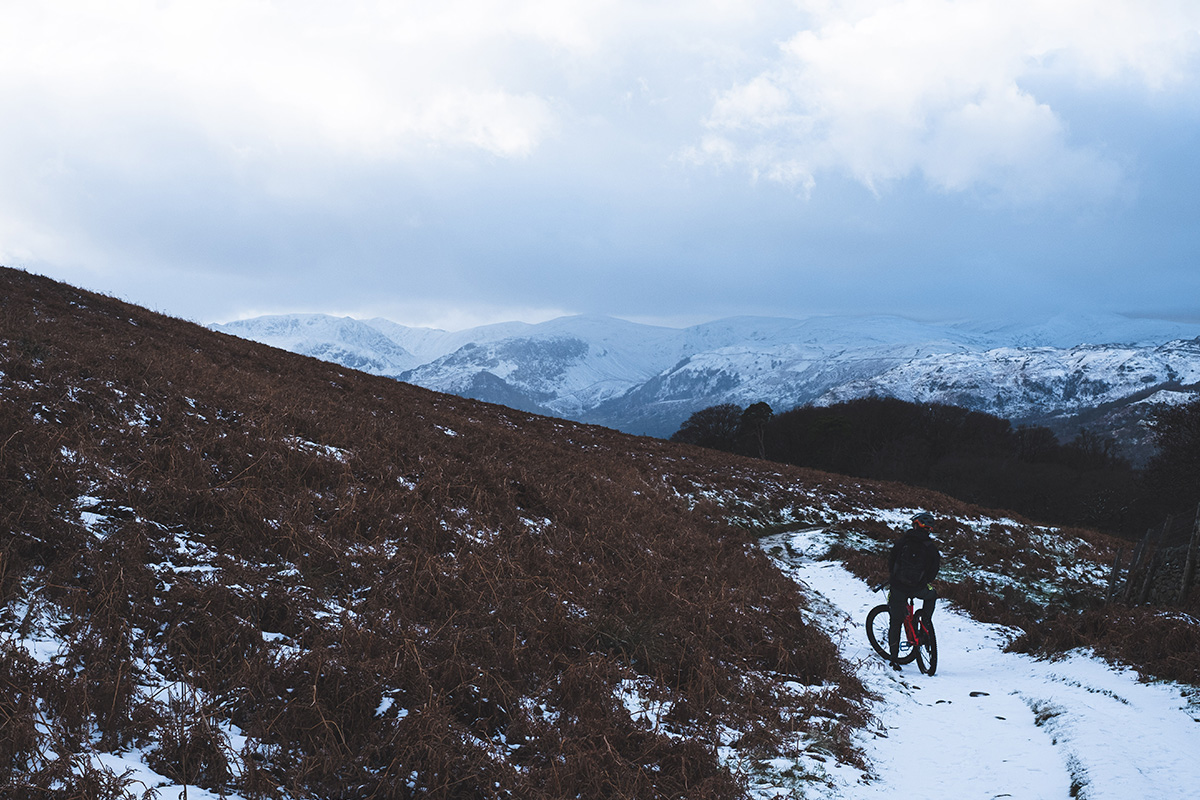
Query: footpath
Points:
[991, 724]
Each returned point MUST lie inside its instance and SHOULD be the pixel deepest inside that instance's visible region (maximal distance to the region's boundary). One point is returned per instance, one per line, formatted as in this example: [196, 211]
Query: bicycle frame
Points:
[910, 625]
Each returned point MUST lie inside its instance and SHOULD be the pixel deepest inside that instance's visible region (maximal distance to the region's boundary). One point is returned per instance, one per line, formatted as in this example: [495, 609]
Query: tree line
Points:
[971, 455]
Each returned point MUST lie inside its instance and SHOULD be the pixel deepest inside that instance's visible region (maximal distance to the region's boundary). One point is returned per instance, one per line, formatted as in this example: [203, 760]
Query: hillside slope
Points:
[268, 574]
[227, 566]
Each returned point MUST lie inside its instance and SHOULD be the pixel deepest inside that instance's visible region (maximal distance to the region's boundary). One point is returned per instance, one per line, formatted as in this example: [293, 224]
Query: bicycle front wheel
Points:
[879, 619]
[926, 648]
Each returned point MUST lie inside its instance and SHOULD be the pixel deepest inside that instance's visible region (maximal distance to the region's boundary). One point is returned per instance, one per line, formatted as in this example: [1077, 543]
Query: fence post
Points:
[1152, 568]
[1112, 575]
[1189, 563]
[1135, 564]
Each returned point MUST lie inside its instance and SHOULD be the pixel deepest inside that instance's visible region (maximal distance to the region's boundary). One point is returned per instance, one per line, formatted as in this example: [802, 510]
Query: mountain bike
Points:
[917, 637]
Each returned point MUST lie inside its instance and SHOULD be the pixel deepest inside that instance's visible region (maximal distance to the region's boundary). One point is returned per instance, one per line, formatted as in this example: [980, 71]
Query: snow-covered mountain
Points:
[565, 367]
[648, 379]
[1068, 330]
[784, 366]
[1034, 382]
[343, 340]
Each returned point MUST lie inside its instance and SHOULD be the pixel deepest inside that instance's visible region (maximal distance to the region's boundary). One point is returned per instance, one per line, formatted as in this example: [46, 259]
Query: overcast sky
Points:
[465, 161]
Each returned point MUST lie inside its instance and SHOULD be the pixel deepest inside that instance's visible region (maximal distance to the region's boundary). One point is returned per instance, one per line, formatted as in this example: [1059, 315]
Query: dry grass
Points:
[389, 592]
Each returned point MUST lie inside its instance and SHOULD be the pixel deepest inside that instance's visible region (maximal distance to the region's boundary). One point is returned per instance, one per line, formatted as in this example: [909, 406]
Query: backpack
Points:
[910, 562]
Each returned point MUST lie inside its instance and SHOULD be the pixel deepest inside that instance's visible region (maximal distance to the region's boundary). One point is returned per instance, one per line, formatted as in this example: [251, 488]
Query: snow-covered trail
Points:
[991, 724]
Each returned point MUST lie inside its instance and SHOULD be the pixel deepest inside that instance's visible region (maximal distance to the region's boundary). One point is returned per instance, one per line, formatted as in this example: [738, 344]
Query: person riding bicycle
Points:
[912, 564]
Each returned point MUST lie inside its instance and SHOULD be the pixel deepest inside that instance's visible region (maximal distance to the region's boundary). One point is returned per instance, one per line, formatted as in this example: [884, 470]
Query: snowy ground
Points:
[988, 725]
[991, 724]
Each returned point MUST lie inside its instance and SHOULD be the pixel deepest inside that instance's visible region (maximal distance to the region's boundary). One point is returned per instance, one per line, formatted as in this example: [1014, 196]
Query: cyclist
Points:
[913, 562]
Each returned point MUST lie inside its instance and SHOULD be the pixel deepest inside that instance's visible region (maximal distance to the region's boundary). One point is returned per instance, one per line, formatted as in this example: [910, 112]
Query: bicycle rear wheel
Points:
[878, 621]
[926, 649]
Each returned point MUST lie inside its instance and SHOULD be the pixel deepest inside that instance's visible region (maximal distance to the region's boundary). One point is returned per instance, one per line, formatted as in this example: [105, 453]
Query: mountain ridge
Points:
[647, 379]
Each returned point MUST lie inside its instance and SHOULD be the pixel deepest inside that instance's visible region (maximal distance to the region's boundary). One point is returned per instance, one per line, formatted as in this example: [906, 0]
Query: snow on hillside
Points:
[567, 366]
[826, 333]
[784, 374]
[1018, 383]
[342, 340]
[1168, 398]
[1069, 330]
[428, 344]
[991, 724]
[988, 724]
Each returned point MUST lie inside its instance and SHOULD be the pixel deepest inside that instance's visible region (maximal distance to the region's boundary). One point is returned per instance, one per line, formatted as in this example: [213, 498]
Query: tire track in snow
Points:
[992, 724]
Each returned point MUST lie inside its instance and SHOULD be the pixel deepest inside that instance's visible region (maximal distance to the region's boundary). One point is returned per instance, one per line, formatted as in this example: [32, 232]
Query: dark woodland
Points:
[975, 457]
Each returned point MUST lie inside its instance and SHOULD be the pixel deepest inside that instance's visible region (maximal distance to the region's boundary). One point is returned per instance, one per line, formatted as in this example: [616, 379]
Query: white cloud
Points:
[882, 90]
[378, 80]
[291, 75]
[210, 120]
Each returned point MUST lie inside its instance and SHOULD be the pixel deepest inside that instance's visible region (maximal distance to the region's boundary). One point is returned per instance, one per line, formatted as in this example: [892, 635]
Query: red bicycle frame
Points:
[910, 625]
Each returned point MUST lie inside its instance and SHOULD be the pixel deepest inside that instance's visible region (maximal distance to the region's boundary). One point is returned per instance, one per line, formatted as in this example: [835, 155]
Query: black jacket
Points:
[930, 557]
